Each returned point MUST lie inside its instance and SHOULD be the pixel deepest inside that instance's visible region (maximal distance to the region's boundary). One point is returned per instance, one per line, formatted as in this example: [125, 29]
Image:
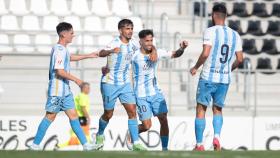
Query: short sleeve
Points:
[238, 43]
[59, 58]
[208, 37]
[164, 54]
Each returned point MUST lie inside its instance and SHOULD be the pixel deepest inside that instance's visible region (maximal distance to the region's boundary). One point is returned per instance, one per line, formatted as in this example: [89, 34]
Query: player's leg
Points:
[109, 94]
[159, 108]
[42, 129]
[203, 99]
[218, 103]
[127, 98]
[69, 108]
[52, 107]
[200, 124]
[145, 113]
[164, 130]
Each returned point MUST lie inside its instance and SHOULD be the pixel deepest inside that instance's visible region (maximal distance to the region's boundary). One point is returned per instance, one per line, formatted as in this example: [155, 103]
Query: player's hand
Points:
[105, 70]
[116, 50]
[184, 44]
[79, 82]
[193, 71]
[153, 56]
[94, 55]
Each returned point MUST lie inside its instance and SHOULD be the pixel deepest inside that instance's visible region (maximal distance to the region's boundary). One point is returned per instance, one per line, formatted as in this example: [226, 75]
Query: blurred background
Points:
[27, 33]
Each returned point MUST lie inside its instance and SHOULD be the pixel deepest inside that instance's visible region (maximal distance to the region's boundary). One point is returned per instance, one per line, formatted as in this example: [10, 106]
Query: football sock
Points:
[102, 125]
[199, 129]
[76, 127]
[133, 130]
[43, 127]
[217, 124]
[164, 142]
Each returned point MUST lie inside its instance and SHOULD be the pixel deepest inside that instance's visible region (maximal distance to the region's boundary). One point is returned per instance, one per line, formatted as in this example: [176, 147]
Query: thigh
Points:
[219, 95]
[126, 94]
[204, 92]
[144, 110]
[158, 104]
[109, 95]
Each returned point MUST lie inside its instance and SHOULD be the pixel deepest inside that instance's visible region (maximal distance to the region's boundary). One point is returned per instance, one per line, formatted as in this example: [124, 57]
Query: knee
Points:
[50, 116]
[200, 111]
[147, 126]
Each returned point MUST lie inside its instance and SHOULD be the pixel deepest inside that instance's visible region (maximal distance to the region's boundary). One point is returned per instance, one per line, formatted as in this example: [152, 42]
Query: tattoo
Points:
[179, 52]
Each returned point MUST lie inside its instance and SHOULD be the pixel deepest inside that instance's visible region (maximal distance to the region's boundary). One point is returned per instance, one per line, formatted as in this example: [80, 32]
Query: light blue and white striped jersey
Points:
[60, 59]
[224, 43]
[144, 73]
[119, 64]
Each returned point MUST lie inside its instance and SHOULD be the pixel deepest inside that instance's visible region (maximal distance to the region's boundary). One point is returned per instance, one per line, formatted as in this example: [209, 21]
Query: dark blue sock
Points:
[102, 125]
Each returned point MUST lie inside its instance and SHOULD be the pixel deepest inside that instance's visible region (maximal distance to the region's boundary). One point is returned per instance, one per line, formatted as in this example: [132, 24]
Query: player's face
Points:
[147, 43]
[86, 89]
[126, 31]
[69, 35]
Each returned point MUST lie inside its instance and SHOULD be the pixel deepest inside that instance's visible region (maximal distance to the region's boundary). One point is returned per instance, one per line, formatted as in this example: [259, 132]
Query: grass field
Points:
[150, 154]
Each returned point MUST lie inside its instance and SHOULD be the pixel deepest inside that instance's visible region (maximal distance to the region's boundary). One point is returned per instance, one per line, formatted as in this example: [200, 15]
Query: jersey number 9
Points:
[224, 53]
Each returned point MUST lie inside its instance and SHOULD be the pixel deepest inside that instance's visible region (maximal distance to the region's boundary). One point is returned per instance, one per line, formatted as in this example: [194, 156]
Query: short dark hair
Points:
[83, 85]
[63, 26]
[124, 22]
[220, 8]
[144, 33]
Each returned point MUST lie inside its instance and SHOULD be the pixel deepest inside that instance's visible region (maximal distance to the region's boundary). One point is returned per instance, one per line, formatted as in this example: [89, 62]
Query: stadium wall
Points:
[239, 133]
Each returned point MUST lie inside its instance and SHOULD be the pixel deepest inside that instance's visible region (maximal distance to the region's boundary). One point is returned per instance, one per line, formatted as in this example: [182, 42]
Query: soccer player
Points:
[82, 104]
[60, 97]
[116, 83]
[149, 98]
[222, 53]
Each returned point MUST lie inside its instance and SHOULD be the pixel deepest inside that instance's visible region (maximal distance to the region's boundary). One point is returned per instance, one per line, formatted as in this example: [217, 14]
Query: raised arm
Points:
[180, 51]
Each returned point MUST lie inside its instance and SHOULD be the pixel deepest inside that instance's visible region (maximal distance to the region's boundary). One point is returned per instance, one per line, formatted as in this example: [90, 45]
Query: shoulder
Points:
[59, 49]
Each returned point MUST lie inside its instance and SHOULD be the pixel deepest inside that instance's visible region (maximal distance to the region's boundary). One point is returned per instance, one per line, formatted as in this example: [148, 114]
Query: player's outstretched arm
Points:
[63, 74]
[202, 58]
[105, 53]
[238, 60]
[78, 57]
[183, 45]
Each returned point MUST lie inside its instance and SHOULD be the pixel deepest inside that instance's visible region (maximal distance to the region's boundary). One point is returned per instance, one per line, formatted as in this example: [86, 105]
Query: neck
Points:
[62, 42]
[145, 51]
[123, 39]
[220, 23]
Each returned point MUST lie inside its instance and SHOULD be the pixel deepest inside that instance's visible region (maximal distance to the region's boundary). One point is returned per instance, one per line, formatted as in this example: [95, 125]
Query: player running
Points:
[60, 97]
[116, 83]
[222, 53]
[149, 98]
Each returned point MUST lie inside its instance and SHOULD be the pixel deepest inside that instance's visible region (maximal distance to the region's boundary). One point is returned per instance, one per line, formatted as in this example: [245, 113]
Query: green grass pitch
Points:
[147, 154]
